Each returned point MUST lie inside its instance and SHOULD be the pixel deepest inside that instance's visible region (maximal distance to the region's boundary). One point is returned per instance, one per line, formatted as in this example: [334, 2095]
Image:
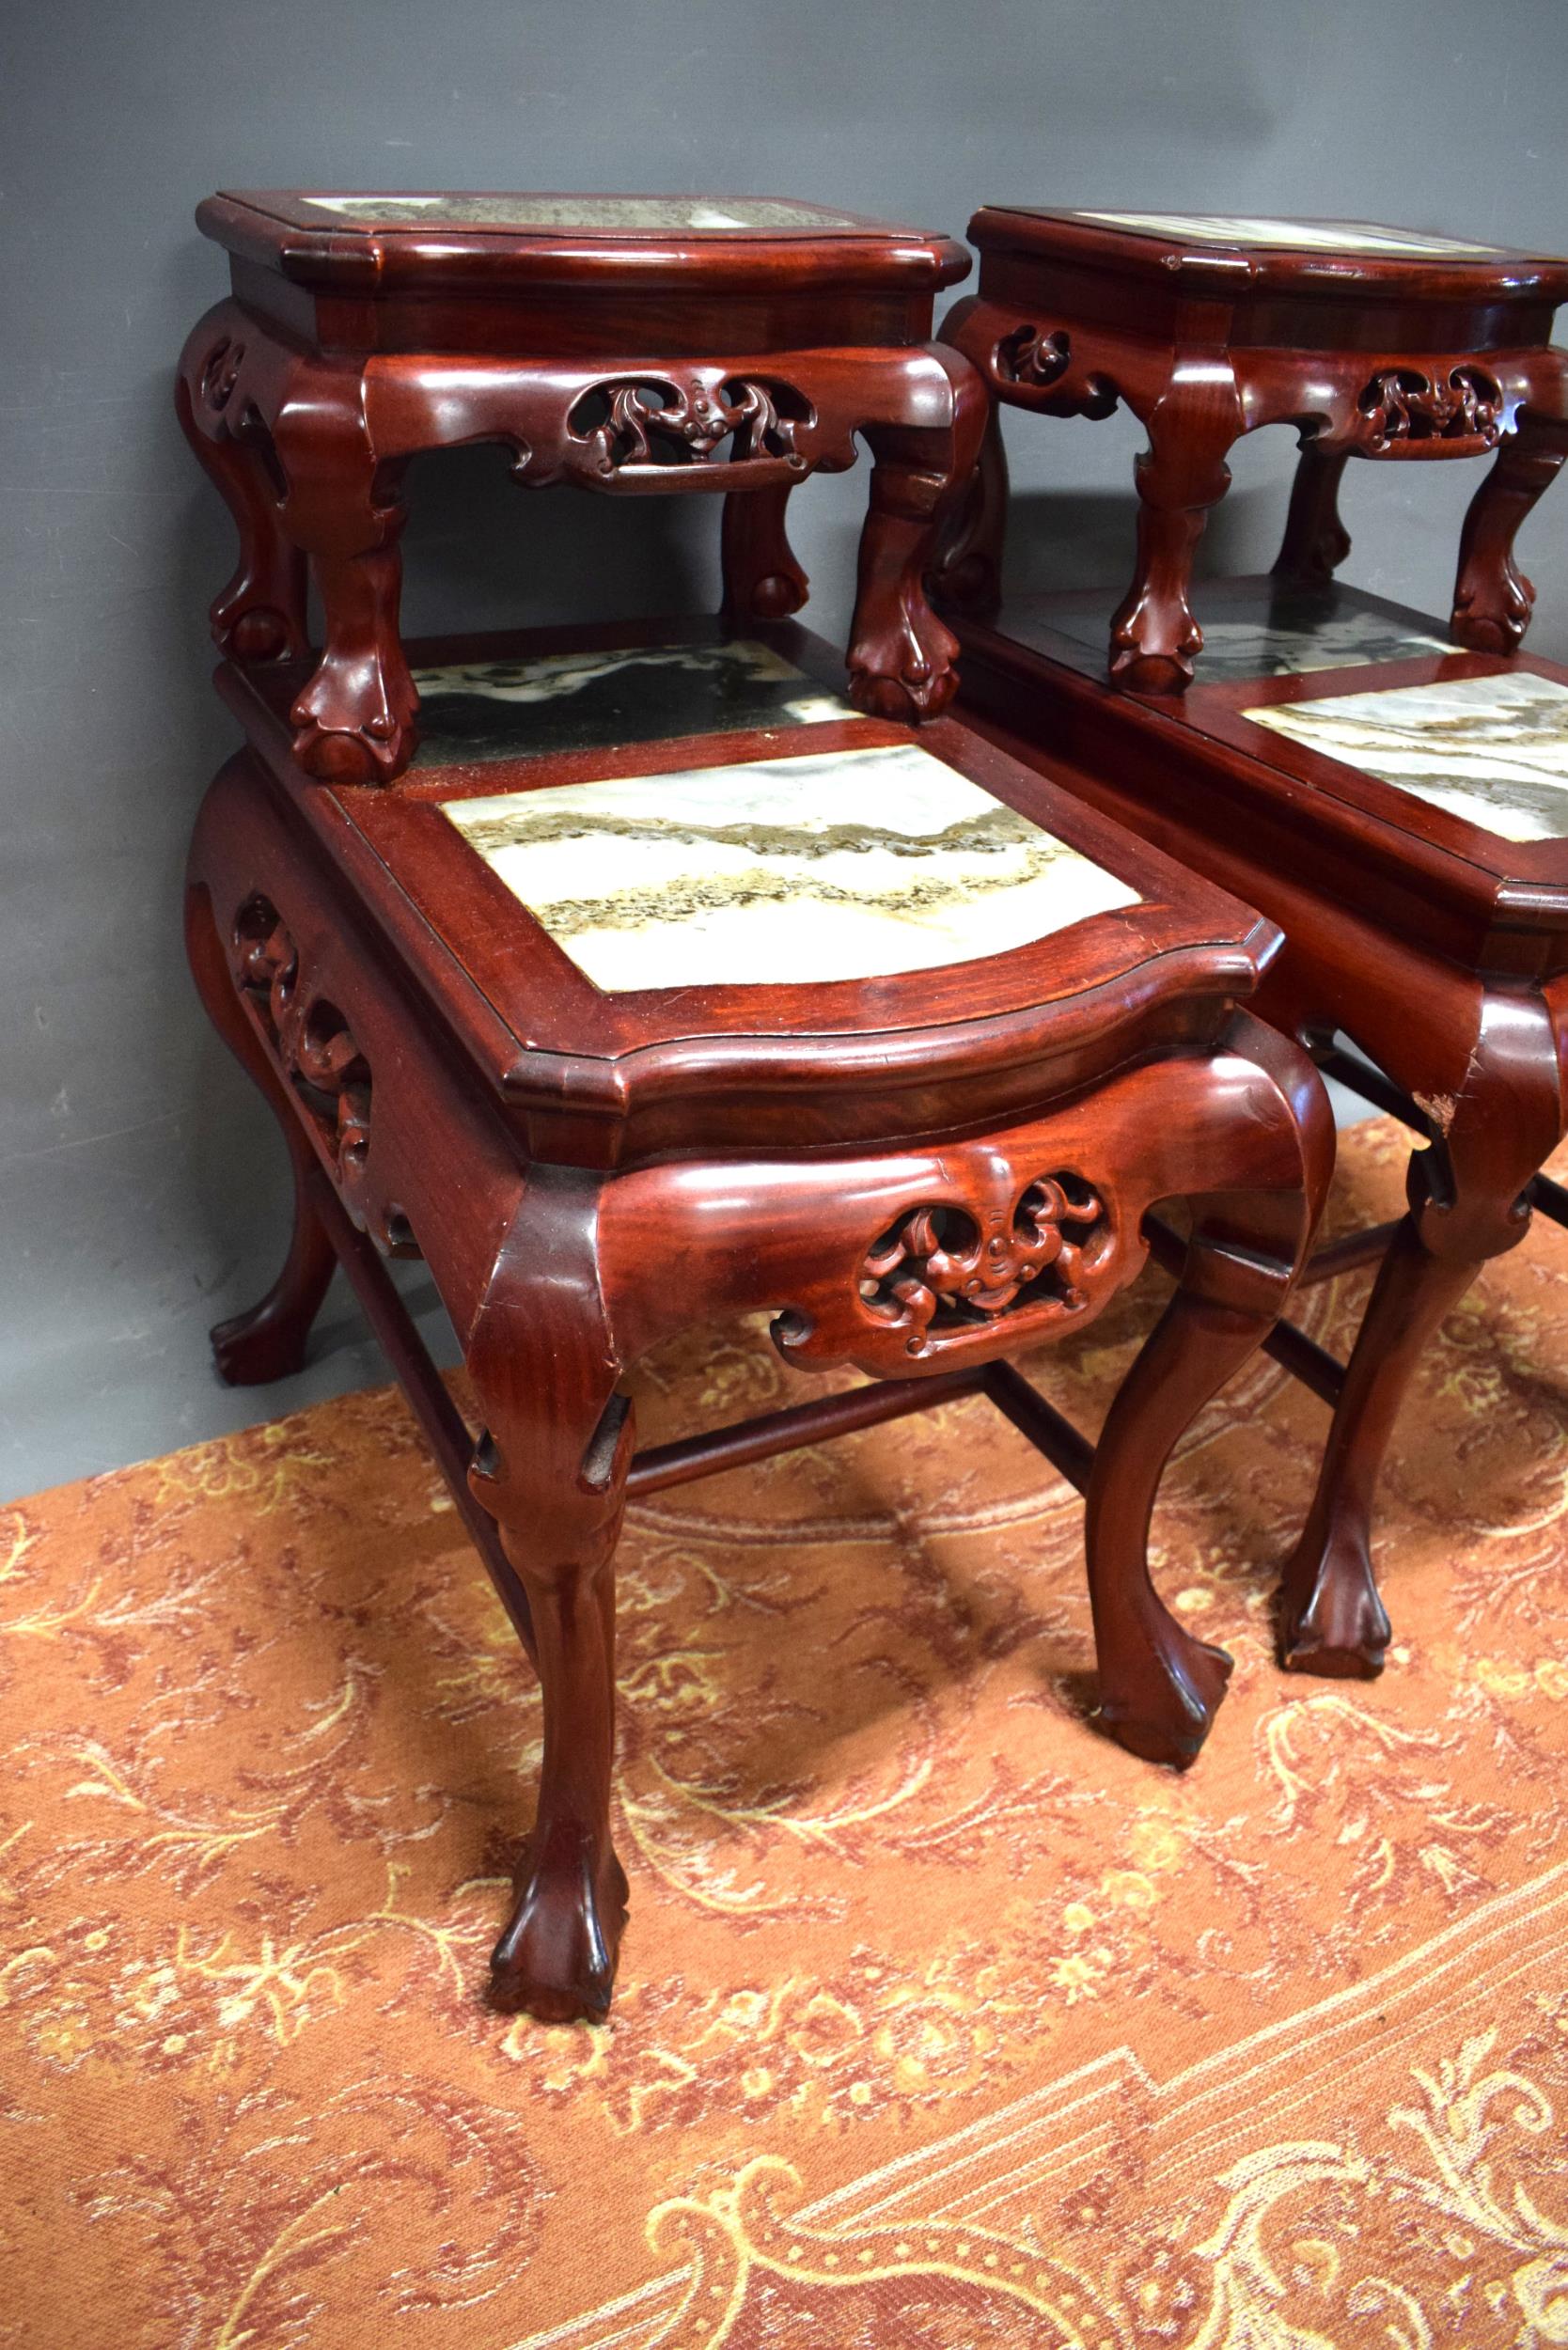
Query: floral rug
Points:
[942, 2023]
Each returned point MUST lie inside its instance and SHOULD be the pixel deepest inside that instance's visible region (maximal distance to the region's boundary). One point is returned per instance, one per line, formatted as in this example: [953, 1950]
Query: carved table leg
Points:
[969, 564]
[260, 614]
[269, 1341]
[354, 718]
[1159, 1687]
[1492, 598]
[1316, 541]
[1465, 1205]
[763, 580]
[902, 657]
[551, 1468]
[1154, 638]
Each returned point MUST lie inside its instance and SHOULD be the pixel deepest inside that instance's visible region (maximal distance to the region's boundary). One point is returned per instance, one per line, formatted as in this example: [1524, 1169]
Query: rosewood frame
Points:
[1390, 358]
[992, 1190]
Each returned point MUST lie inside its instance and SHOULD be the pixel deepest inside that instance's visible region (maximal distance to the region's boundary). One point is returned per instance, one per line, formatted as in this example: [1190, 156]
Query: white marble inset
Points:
[1327, 236]
[850, 865]
[576, 211]
[1490, 749]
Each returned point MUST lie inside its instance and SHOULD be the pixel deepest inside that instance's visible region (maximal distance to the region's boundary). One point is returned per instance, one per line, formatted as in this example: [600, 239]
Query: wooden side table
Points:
[1373, 342]
[764, 1004]
[1401, 810]
[641, 345]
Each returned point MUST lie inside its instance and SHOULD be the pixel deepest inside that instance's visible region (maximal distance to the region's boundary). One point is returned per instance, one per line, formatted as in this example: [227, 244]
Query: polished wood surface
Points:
[917, 1175]
[1439, 950]
[1372, 354]
[728, 362]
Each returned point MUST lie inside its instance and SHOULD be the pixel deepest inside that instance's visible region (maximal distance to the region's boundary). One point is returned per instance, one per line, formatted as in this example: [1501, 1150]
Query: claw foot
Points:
[907, 673]
[1142, 663]
[557, 1957]
[1332, 1620]
[1166, 1718]
[1493, 618]
[358, 728]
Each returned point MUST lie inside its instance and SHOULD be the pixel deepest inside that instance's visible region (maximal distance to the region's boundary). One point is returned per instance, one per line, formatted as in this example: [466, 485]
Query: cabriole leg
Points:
[969, 564]
[763, 580]
[1492, 598]
[1468, 1203]
[901, 658]
[269, 1341]
[552, 1470]
[1316, 541]
[1155, 638]
[354, 718]
[260, 614]
[1159, 1687]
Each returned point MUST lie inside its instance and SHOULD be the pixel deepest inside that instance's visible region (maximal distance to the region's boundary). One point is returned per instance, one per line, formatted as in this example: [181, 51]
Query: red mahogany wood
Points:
[670, 360]
[1438, 949]
[1381, 355]
[585, 1175]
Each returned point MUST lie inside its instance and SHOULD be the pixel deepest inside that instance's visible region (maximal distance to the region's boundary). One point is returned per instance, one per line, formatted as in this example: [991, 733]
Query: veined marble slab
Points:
[1491, 749]
[584, 700]
[523, 212]
[1328, 236]
[849, 865]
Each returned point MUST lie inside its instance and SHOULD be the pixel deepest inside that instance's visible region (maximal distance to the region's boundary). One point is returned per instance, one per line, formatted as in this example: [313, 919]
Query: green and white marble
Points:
[484, 710]
[852, 865]
[1491, 749]
[1327, 236]
[523, 212]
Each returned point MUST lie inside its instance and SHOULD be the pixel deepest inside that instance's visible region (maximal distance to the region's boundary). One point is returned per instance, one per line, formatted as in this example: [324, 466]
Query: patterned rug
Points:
[942, 2023]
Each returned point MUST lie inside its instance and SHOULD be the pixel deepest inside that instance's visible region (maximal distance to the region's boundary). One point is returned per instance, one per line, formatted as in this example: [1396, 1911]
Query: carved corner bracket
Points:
[949, 1275]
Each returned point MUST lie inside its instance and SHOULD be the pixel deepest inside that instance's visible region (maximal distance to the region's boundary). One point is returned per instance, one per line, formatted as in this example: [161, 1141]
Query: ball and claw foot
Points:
[1331, 1621]
[1173, 1728]
[907, 672]
[1492, 615]
[555, 1959]
[356, 729]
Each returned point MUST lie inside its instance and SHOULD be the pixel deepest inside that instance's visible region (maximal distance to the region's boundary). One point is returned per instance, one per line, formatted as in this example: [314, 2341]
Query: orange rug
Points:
[941, 2021]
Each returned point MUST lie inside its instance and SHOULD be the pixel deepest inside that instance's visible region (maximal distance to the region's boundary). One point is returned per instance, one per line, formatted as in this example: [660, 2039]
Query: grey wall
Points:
[141, 1187]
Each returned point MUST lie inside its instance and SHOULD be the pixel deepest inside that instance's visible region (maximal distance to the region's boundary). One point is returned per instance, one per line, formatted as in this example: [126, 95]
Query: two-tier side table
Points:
[1379, 343]
[1401, 810]
[641, 345]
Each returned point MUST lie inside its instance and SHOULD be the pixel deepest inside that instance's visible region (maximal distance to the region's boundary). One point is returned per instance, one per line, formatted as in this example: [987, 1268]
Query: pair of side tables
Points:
[640, 976]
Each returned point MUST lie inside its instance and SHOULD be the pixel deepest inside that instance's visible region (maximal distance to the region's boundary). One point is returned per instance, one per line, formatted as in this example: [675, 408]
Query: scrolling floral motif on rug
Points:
[942, 2023]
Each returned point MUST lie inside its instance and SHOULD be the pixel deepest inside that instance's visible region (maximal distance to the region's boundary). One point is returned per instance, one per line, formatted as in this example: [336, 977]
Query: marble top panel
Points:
[1294, 639]
[1490, 749]
[568, 701]
[852, 865]
[523, 212]
[1327, 236]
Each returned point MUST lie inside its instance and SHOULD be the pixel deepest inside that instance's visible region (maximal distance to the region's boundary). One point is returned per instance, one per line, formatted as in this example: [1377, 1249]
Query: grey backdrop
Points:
[141, 1184]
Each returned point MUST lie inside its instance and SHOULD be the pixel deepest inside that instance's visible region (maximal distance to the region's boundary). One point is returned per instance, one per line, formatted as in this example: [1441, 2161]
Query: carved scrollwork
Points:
[946, 1273]
[655, 420]
[310, 1036]
[220, 374]
[1039, 359]
[1401, 407]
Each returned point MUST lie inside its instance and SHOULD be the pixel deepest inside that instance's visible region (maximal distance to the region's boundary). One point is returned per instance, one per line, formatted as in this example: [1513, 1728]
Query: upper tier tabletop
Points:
[1211, 251]
[430, 242]
[681, 859]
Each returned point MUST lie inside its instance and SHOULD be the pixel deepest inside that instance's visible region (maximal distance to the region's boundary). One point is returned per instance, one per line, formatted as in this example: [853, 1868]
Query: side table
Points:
[1373, 342]
[640, 345]
[768, 1005]
[1401, 810]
